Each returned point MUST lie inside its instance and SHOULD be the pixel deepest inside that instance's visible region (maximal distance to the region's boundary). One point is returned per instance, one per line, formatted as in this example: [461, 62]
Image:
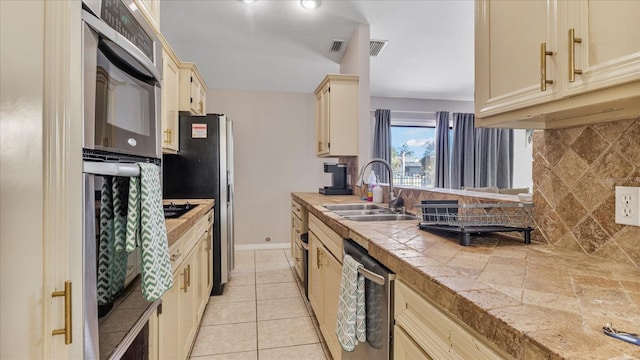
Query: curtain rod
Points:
[408, 111]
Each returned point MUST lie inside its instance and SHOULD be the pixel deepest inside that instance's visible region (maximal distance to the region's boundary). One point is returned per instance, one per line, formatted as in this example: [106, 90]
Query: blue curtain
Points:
[442, 150]
[382, 142]
[463, 151]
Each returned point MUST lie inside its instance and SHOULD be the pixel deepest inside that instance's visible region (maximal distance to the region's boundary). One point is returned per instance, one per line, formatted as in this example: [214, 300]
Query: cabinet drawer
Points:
[191, 237]
[301, 213]
[329, 238]
[176, 253]
[436, 332]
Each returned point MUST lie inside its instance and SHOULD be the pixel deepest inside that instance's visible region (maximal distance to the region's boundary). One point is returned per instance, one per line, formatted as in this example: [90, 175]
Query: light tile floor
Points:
[262, 314]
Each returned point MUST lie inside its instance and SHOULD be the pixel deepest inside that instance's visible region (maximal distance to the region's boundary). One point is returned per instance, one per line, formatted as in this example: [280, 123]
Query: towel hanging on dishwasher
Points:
[351, 324]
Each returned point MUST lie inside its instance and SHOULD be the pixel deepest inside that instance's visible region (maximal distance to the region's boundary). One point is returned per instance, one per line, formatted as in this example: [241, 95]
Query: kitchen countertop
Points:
[178, 226]
[533, 301]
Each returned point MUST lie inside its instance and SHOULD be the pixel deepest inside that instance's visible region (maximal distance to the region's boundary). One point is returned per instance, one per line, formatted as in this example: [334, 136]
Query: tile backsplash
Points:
[575, 172]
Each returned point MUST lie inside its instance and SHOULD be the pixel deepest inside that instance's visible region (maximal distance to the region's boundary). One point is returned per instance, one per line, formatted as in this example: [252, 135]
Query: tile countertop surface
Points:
[533, 301]
[178, 226]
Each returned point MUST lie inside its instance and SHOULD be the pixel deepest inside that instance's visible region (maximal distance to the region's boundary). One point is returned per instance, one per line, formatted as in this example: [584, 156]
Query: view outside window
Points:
[413, 155]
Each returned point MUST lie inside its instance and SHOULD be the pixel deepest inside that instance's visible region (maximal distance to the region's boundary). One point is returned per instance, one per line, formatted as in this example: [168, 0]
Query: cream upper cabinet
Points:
[193, 90]
[525, 58]
[170, 93]
[337, 116]
[606, 43]
[150, 9]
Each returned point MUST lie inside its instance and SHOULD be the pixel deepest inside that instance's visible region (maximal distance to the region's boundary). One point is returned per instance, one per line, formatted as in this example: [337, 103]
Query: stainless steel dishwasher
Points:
[379, 306]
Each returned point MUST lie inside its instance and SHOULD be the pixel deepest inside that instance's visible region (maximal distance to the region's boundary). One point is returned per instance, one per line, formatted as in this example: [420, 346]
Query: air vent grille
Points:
[376, 47]
[336, 45]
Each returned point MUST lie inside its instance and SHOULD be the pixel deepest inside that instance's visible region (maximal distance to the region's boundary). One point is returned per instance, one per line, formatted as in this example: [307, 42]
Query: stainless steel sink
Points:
[356, 206]
[381, 217]
[362, 212]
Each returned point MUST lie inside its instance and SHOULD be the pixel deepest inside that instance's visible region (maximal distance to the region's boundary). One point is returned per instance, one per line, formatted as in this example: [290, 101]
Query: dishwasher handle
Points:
[370, 275]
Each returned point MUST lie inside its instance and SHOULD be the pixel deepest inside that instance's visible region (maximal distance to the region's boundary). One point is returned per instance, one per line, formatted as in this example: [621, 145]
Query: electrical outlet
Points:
[628, 205]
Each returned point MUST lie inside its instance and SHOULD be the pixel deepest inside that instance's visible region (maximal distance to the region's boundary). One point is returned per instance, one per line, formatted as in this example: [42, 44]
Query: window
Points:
[413, 153]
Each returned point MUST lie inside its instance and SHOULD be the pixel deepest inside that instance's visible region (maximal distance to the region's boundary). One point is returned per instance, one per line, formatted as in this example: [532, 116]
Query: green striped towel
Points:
[146, 229]
[112, 258]
[351, 325]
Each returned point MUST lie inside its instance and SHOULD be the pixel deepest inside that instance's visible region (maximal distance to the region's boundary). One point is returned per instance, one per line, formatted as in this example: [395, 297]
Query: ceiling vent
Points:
[336, 45]
[376, 47]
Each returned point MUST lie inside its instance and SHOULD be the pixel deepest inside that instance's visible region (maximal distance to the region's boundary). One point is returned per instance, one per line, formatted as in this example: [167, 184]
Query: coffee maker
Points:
[338, 180]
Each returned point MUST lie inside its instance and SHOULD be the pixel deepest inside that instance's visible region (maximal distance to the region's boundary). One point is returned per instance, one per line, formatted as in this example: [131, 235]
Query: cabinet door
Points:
[315, 276]
[203, 99]
[322, 121]
[195, 94]
[203, 278]
[293, 234]
[609, 51]
[150, 9]
[332, 272]
[189, 324]
[508, 71]
[169, 335]
[170, 86]
[404, 348]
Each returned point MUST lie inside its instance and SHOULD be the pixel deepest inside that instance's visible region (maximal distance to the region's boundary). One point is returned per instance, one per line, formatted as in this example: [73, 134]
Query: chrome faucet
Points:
[394, 203]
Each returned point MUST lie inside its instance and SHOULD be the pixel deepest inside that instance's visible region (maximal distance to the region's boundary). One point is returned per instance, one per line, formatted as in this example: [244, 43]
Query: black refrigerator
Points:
[203, 169]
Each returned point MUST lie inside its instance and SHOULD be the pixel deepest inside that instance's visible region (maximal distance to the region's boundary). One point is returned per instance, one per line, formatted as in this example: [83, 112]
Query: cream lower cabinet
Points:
[423, 330]
[299, 217]
[556, 63]
[183, 305]
[325, 270]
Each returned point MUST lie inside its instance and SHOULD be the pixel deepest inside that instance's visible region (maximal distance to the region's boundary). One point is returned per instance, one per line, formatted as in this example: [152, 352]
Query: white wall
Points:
[356, 61]
[274, 133]
[522, 161]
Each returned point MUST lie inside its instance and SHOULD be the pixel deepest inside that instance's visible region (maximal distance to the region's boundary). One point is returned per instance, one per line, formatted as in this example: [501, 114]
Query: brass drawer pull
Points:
[543, 66]
[68, 336]
[572, 55]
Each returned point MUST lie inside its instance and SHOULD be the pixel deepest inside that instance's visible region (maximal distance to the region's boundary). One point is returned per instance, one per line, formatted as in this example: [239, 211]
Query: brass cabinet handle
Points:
[189, 275]
[68, 336]
[572, 55]
[318, 254]
[185, 285]
[167, 136]
[543, 66]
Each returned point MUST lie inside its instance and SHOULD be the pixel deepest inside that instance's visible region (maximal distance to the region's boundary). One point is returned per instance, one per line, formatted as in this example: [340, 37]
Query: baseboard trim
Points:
[273, 246]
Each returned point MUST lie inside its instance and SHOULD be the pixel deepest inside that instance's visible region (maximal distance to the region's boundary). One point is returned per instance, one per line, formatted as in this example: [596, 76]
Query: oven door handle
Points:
[110, 169]
[107, 32]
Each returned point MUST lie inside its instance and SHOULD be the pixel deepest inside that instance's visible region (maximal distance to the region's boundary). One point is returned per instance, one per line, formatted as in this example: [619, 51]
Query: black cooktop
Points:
[173, 211]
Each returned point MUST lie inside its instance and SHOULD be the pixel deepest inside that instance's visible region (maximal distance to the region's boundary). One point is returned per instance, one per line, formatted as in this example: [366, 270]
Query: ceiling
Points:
[276, 45]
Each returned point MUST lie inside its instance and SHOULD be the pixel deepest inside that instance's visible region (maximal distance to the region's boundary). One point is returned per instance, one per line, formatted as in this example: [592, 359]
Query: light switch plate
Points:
[628, 205]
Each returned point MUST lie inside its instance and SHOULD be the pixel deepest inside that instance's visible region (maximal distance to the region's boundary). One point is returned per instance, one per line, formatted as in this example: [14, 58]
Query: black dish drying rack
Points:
[476, 219]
